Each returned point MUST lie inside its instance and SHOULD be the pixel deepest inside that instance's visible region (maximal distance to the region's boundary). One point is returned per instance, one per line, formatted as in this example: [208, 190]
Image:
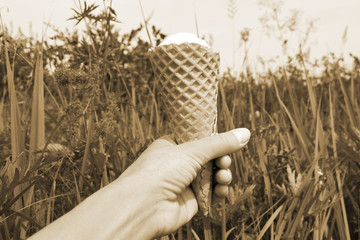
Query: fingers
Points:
[220, 192]
[206, 149]
[223, 176]
[223, 162]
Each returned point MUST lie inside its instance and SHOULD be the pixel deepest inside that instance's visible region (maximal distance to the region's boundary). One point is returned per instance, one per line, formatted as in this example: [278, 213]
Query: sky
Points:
[331, 19]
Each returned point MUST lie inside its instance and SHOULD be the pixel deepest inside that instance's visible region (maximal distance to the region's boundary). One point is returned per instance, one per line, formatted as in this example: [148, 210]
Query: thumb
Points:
[208, 148]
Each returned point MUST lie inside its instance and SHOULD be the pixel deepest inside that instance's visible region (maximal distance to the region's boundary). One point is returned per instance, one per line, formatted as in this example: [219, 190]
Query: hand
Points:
[152, 197]
[167, 169]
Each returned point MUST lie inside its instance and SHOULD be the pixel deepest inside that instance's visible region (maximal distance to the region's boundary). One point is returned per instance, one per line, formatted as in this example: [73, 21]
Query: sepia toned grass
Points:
[81, 125]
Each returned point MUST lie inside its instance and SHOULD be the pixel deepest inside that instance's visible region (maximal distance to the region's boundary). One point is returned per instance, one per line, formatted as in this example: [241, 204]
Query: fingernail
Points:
[242, 134]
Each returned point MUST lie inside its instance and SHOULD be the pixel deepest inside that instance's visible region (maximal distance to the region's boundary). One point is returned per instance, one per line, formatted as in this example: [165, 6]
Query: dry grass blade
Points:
[288, 218]
[2, 100]
[263, 163]
[195, 235]
[269, 222]
[323, 224]
[17, 137]
[51, 202]
[52, 97]
[229, 124]
[300, 211]
[135, 116]
[342, 218]
[154, 112]
[85, 159]
[145, 22]
[223, 220]
[77, 191]
[310, 88]
[136, 123]
[37, 128]
[17, 134]
[196, 21]
[297, 118]
[299, 134]
[349, 106]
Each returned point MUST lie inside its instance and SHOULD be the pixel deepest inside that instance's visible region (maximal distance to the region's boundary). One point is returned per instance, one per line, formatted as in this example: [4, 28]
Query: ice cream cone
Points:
[187, 72]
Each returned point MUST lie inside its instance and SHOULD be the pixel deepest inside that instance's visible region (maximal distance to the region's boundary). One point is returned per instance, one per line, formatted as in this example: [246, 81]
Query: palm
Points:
[176, 212]
[169, 180]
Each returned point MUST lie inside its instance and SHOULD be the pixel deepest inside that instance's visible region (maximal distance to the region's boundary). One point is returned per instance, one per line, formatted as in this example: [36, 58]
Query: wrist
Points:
[117, 211]
[129, 210]
[121, 210]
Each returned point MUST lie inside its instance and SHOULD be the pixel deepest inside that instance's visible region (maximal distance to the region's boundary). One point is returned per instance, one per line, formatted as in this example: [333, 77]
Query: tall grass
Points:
[94, 115]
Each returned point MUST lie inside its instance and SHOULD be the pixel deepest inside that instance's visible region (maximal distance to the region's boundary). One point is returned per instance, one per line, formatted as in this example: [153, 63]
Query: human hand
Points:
[152, 197]
[166, 171]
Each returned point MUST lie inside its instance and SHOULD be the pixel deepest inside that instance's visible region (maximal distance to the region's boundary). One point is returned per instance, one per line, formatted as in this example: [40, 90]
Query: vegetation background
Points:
[75, 113]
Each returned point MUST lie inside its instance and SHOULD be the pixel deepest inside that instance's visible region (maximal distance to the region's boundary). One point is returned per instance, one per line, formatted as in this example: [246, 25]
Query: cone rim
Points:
[172, 45]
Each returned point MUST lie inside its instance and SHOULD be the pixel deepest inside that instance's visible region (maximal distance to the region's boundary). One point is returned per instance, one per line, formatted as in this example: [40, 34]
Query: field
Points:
[76, 113]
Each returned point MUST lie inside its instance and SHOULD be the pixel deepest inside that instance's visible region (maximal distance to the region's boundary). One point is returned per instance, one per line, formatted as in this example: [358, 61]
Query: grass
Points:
[94, 115]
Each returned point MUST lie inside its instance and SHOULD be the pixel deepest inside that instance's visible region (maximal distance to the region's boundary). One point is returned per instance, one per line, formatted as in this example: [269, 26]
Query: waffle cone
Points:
[187, 74]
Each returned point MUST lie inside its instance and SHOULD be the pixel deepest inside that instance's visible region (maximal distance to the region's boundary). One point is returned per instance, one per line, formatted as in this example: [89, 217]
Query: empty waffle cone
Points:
[188, 77]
